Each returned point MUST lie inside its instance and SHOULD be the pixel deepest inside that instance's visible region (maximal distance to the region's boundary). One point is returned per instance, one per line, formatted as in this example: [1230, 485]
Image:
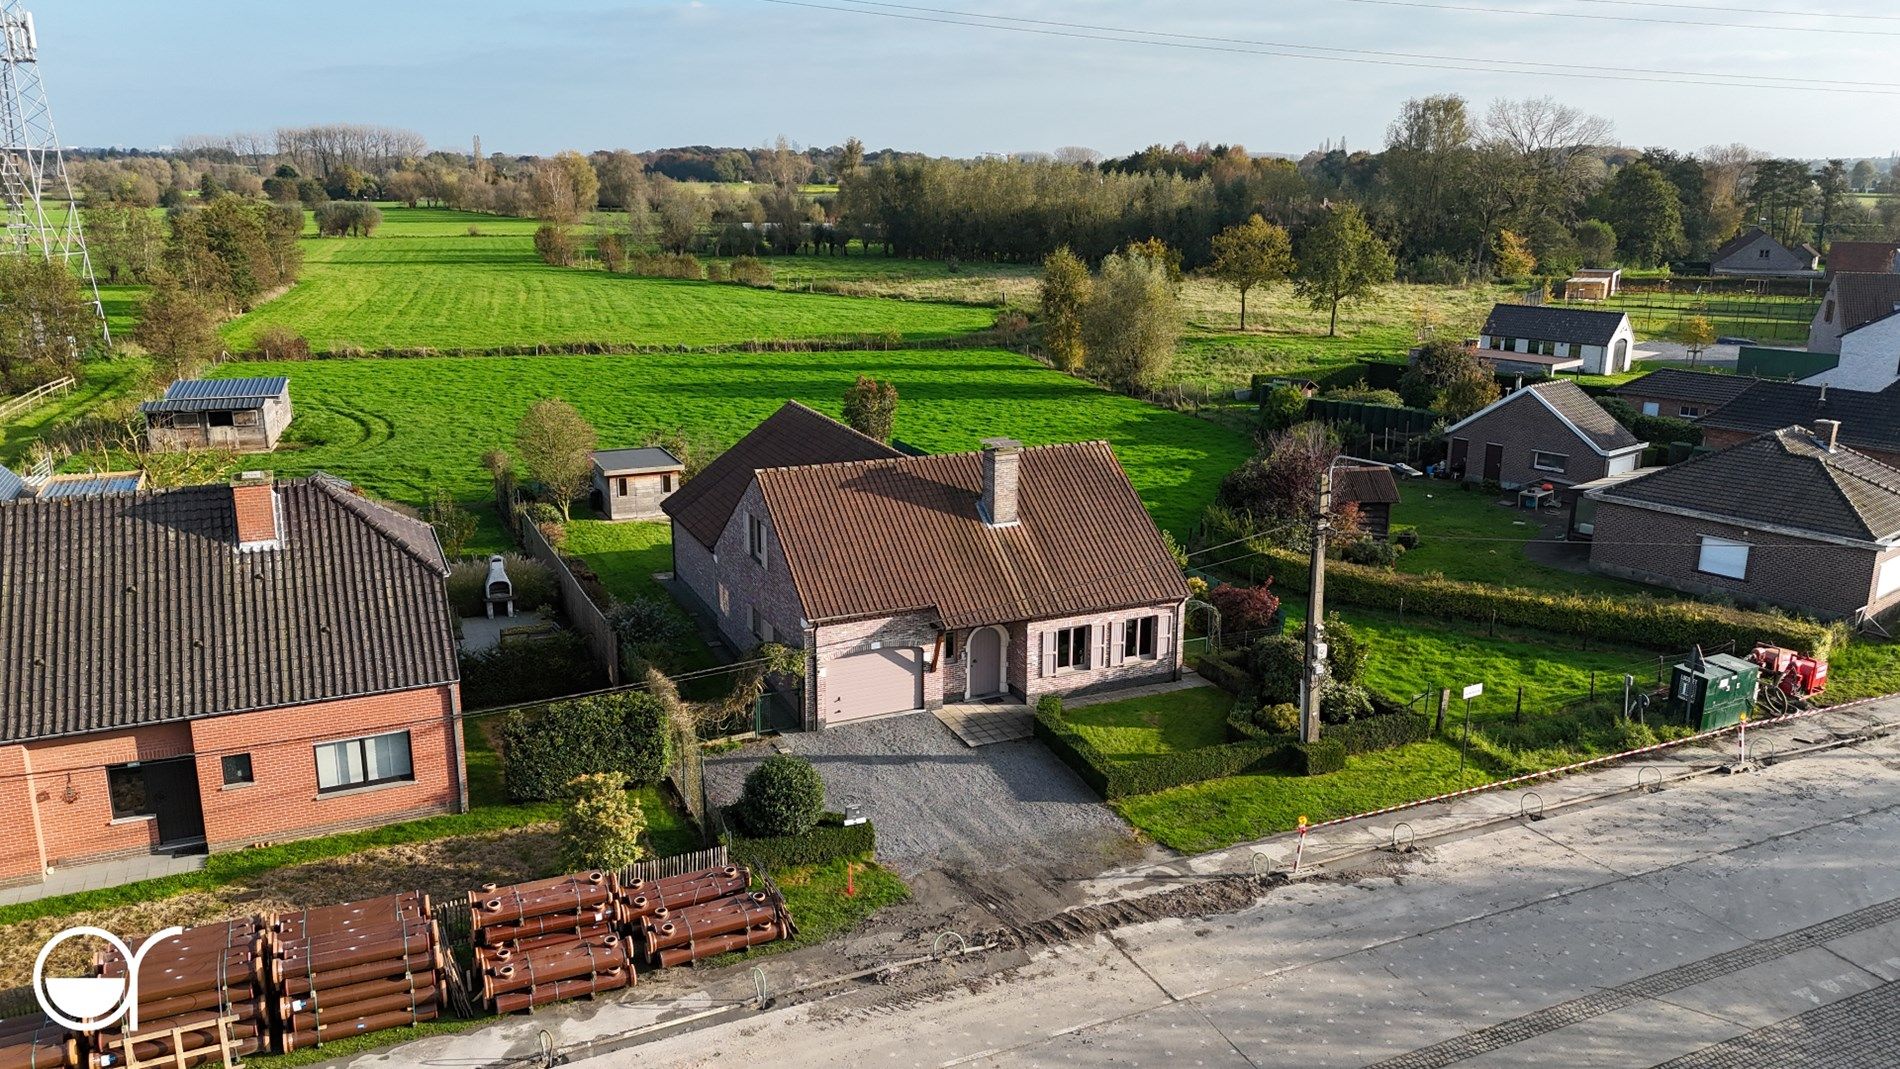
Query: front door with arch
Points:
[986, 662]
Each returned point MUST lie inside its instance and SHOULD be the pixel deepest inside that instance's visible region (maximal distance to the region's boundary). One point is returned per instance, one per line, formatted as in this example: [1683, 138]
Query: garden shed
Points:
[630, 484]
[247, 415]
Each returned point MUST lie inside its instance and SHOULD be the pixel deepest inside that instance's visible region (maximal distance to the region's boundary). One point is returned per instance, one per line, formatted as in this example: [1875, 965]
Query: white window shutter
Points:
[1117, 642]
[1164, 635]
[1047, 666]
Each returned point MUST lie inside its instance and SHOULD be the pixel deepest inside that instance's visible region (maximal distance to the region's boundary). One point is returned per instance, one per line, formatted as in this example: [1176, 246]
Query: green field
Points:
[402, 428]
[423, 281]
[1764, 319]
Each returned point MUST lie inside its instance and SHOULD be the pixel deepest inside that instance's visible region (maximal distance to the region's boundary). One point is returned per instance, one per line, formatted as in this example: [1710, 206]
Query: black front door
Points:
[172, 790]
[1493, 461]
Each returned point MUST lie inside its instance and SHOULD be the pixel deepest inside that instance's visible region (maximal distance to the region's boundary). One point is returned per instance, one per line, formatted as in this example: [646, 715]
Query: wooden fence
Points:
[582, 613]
[34, 396]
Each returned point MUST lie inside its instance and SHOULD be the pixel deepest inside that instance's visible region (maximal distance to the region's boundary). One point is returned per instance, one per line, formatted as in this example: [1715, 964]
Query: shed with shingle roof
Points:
[1546, 432]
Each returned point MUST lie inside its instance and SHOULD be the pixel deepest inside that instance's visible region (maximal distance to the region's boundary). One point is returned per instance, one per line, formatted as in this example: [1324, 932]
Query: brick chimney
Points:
[1828, 433]
[254, 501]
[1001, 457]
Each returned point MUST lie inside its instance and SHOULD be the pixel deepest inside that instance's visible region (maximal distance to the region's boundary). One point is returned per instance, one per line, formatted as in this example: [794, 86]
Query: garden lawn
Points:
[1867, 668]
[424, 282]
[100, 382]
[1218, 813]
[1161, 723]
[815, 897]
[1466, 534]
[402, 428]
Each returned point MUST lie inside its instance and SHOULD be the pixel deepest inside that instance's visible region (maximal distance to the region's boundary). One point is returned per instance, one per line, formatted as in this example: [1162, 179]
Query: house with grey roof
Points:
[244, 415]
[1755, 252]
[1869, 423]
[1790, 518]
[1677, 393]
[1547, 432]
[1853, 300]
[215, 666]
[631, 484]
[1556, 338]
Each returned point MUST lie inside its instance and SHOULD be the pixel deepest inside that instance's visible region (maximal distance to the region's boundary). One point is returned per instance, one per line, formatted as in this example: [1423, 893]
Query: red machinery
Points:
[1791, 671]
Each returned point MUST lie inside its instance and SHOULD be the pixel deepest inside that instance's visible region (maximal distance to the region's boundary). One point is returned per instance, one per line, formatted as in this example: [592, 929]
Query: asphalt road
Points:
[1730, 921]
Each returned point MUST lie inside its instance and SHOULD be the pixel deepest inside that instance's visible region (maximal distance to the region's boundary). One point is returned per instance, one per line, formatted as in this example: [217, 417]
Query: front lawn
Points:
[1161, 723]
[1221, 812]
[1465, 534]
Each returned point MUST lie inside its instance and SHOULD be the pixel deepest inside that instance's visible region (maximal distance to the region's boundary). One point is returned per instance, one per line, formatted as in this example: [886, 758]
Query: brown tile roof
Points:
[791, 436]
[877, 537]
[1784, 477]
[137, 608]
[1875, 257]
[1368, 486]
[1862, 297]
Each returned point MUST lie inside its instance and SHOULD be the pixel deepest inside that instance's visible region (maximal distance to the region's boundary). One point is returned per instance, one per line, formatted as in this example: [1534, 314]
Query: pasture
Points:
[404, 427]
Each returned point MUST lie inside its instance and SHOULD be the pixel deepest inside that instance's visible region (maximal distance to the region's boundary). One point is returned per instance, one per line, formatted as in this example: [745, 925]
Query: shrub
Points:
[870, 408]
[1281, 717]
[751, 271]
[1342, 703]
[338, 218]
[601, 828]
[474, 231]
[1314, 758]
[1371, 552]
[1406, 537]
[643, 622]
[1282, 407]
[782, 796]
[623, 734]
[1654, 623]
[826, 841]
[613, 252]
[1346, 652]
[1656, 430]
[1245, 608]
[1382, 732]
[555, 245]
[717, 272]
[555, 534]
[1224, 674]
[540, 512]
[1278, 664]
[525, 670]
[280, 343]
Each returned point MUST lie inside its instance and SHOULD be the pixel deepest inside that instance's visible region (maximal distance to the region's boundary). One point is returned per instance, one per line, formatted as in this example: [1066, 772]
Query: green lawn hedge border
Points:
[1652, 622]
[1314, 758]
[829, 840]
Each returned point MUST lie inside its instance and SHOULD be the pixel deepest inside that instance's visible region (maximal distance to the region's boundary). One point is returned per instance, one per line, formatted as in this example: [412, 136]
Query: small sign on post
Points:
[1473, 691]
[1300, 848]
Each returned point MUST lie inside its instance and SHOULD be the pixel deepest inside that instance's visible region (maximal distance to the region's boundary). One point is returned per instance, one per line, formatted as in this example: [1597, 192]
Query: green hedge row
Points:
[624, 734]
[1223, 673]
[1373, 733]
[1119, 779]
[828, 841]
[1314, 758]
[1653, 622]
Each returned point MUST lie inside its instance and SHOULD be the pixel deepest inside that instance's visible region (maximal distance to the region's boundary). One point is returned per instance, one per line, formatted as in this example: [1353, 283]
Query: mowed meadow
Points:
[405, 427]
[440, 279]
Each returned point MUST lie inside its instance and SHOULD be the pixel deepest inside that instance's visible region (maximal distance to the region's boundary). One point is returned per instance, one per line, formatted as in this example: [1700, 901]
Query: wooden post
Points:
[1593, 685]
[1444, 703]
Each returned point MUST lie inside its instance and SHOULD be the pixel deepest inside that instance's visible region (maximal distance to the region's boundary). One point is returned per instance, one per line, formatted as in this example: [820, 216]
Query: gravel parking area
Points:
[939, 803]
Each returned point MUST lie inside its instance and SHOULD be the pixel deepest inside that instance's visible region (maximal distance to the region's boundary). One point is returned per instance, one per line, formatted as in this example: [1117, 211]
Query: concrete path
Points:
[1743, 916]
[104, 874]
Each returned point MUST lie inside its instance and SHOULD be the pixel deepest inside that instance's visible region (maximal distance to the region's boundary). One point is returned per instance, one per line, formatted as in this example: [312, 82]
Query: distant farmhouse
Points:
[1755, 252]
[1517, 337]
[248, 415]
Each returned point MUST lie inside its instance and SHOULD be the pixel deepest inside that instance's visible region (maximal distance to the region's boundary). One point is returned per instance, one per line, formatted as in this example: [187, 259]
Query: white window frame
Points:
[358, 748]
[1725, 563]
[1562, 465]
[1077, 645]
[1141, 638]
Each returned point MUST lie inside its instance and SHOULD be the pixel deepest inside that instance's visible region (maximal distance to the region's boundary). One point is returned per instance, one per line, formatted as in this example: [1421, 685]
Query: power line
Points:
[1725, 9]
[1627, 18]
[1464, 64]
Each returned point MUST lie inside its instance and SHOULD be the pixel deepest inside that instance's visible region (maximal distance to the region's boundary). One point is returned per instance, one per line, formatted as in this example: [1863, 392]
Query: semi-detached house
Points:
[217, 666]
[914, 581]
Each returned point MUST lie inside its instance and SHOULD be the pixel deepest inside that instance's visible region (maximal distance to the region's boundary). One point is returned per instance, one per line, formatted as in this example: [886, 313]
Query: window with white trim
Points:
[1072, 648]
[364, 762]
[1138, 637]
[1542, 461]
[755, 537]
[1723, 556]
[1887, 580]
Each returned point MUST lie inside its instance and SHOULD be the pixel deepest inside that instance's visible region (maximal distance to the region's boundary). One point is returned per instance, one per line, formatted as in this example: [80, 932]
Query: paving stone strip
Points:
[1859, 1032]
[1609, 1000]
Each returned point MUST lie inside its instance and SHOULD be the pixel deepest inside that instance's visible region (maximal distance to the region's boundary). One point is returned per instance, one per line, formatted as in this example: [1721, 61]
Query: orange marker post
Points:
[1300, 849]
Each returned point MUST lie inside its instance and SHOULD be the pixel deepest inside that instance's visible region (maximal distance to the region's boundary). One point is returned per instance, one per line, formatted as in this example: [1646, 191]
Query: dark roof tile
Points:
[1539, 322]
[1679, 384]
[1868, 420]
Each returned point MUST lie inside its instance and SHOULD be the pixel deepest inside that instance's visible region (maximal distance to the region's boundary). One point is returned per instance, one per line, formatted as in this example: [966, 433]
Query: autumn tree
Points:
[179, 331]
[1511, 256]
[1446, 377]
[563, 187]
[126, 241]
[1341, 259]
[1596, 243]
[870, 407]
[45, 322]
[1132, 322]
[1065, 292]
[1696, 333]
[557, 446]
[1250, 254]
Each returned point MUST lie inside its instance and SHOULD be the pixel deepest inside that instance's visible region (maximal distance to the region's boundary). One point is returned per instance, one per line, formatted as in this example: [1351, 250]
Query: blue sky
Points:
[541, 76]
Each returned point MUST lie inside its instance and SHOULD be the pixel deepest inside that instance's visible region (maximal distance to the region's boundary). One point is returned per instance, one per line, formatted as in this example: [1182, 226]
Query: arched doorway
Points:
[1621, 361]
[986, 662]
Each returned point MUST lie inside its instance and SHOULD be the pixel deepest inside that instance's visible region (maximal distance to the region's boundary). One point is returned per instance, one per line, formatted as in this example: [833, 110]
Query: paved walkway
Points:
[106, 874]
[480, 633]
[992, 720]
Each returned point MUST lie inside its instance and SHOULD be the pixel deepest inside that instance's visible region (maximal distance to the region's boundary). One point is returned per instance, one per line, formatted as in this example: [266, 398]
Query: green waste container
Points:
[1713, 692]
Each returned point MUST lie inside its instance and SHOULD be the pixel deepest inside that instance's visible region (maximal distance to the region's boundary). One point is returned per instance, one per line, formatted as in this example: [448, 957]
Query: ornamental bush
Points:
[1277, 663]
[1282, 717]
[624, 735]
[782, 796]
[1314, 758]
[602, 826]
[1342, 703]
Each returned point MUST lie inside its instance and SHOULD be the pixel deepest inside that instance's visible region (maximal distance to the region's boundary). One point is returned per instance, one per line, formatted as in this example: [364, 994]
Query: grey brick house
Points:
[1755, 252]
[1790, 518]
[1546, 432]
[911, 581]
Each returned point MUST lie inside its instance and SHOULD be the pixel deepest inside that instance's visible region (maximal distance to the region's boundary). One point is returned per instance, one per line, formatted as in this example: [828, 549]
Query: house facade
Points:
[631, 484]
[245, 415]
[1869, 357]
[1755, 252]
[1826, 541]
[911, 582]
[1675, 393]
[214, 667]
[1546, 432]
[1853, 299]
[1594, 342]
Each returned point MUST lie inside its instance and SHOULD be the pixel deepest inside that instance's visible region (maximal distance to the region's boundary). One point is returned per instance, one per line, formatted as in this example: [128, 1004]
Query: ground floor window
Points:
[1543, 461]
[1723, 556]
[949, 643]
[237, 769]
[364, 762]
[1888, 580]
[1139, 638]
[126, 785]
[1072, 647]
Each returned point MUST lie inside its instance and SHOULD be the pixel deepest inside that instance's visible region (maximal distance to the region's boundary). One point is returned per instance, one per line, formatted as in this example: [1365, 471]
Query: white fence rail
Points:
[32, 397]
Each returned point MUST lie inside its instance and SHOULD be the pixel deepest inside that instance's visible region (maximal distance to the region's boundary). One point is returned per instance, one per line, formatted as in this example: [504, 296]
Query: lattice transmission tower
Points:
[32, 168]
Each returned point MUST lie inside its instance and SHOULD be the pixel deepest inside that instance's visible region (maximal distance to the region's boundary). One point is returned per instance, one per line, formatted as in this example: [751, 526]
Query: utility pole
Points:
[1315, 682]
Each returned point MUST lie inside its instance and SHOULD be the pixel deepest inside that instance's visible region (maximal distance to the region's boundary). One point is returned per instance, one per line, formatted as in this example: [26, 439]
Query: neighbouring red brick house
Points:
[912, 581]
[212, 667]
[1869, 421]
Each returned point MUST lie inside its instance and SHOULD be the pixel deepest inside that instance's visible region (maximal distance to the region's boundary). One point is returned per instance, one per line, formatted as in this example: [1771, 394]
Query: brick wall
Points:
[61, 828]
[917, 631]
[1664, 549]
[1523, 427]
[748, 583]
[1103, 673]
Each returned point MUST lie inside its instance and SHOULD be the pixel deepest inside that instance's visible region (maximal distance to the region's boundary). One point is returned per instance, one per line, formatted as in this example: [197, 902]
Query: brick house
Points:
[1869, 422]
[1680, 394]
[217, 666]
[1877, 257]
[911, 581]
[1556, 338]
[1789, 518]
[1546, 432]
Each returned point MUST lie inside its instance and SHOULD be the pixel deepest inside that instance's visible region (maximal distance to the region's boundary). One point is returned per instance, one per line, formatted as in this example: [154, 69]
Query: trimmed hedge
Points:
[1373, 733]
[622, 734]
[1223, 673]
[1118, 779]
[1314, 758]
[1652, 622]
[827, 841]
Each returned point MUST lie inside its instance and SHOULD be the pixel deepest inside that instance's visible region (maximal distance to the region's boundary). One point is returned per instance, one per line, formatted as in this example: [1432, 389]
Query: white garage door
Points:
[874, 683]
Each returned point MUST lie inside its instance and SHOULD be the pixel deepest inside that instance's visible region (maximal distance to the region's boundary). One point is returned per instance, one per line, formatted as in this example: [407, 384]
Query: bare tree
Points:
[1078, 156]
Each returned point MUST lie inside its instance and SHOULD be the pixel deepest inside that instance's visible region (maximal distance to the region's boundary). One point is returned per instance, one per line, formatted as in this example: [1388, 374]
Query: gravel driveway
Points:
[938, 803]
